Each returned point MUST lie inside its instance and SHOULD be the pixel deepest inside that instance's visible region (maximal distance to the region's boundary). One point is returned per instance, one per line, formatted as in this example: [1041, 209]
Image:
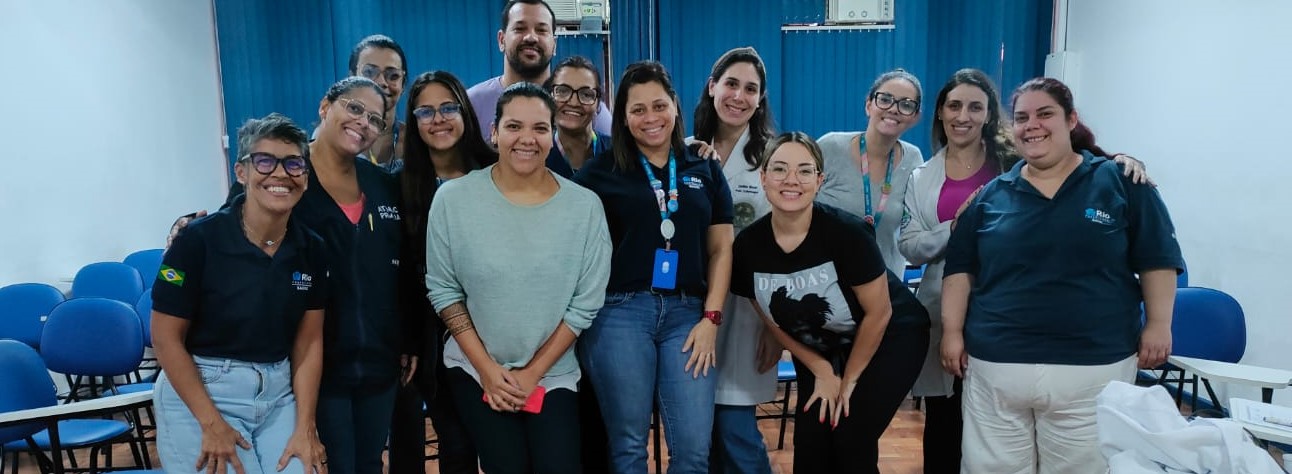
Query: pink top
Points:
[355, 210]
[954, 192]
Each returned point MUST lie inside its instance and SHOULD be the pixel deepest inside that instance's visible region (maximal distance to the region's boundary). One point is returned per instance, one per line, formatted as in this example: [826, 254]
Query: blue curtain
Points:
[281, 56]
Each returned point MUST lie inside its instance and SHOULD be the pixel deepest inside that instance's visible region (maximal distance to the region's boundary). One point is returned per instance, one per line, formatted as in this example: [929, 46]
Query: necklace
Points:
[261, 242]
[969, 163]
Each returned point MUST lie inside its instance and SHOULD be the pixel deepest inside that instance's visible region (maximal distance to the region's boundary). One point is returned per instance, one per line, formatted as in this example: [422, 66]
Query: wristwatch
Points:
[714, 317]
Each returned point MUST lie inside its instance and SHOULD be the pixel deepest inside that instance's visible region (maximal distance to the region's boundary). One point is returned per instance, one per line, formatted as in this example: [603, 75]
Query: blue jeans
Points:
[633, 357]
[737, 444]
[255, 399]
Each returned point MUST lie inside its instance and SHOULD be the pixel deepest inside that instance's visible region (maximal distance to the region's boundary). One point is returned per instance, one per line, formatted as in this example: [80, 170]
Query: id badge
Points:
[664, 274]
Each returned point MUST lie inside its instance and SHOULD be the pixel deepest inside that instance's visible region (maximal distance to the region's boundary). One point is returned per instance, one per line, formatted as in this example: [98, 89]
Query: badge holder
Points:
[664, 273]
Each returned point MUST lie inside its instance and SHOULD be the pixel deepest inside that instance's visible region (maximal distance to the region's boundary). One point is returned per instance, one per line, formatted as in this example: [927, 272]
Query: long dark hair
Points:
[760, 124]
[996, 135]
[418, 180]
[624, 145]
[1081, 136]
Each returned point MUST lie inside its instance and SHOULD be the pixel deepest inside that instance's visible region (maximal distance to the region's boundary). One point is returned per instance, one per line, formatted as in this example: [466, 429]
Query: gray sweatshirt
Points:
[521, 270]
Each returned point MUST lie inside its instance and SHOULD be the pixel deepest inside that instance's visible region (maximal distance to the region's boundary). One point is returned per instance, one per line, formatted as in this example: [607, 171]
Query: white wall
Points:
[1200, 91]
[111, 128]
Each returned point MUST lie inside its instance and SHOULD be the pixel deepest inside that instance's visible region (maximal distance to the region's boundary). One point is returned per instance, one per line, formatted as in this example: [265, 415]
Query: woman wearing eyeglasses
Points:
[815, 275]
[237, 322]
[354, 206]
[576, 87]
[866, 172]
[381, 59]
[446, 146]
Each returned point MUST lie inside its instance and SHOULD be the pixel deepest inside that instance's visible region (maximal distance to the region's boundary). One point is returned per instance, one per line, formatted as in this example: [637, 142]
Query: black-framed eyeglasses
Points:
[803, 174]
[587, 95]
[265, 163]
[426, 113]
[390, 74]
[356, 109]
[905, 106]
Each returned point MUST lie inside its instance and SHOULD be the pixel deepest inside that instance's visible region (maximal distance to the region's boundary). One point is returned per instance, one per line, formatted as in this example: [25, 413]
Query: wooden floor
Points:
[899, 448]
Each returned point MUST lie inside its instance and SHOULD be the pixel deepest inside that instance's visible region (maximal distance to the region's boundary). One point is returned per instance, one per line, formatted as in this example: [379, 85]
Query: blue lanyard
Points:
[872, 216]
[665, 208]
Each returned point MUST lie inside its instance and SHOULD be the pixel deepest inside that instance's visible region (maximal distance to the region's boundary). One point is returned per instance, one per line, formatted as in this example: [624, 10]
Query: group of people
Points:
[541, 272]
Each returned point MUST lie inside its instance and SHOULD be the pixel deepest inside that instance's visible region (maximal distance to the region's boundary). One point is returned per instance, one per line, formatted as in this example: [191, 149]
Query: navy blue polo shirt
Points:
[632, 215]
[558, 164]
[241, 303]
[368, 324]
[1054, 279]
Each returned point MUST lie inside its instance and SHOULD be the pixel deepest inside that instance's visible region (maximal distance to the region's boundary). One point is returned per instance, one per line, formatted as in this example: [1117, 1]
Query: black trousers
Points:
[853, 446]
[595, 443]
[408, 427]
[943, 427]
[520, 443]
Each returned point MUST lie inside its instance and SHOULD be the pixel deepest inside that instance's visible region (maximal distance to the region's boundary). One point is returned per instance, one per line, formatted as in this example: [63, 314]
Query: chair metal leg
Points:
[785, 414]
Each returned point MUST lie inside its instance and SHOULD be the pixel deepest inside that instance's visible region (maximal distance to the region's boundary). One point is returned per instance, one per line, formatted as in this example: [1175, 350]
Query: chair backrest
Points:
[1182, 279]
[92, 336]
[112, 280]
[148, 263]
[26, 385]
[23, 309]
[144, 308]
[1208, 324]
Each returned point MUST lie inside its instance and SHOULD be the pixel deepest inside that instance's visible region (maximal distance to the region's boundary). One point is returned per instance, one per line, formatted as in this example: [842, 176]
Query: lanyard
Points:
[665, 207]
[871, 215]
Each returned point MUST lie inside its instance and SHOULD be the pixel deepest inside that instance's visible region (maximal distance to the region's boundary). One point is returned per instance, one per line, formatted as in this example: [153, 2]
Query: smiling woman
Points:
[512, 313]
[669, 214]
[866, 172]
[247, 259]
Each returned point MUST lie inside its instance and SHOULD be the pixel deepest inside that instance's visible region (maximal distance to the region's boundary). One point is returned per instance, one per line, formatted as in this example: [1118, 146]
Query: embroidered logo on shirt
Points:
[302, 281]
[692, 182]
[390, 213]
[1099, 217]
[171, 275]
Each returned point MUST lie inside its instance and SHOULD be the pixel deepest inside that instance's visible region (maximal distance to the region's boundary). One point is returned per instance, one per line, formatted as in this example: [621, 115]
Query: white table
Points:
[1265, 378]
[50, 415]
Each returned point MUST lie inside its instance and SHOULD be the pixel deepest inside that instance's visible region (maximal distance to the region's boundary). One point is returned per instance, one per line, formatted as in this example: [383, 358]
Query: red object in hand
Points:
[533, 404]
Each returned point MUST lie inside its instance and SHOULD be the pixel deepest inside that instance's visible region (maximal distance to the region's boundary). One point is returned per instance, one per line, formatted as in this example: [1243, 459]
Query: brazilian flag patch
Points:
[171, 275]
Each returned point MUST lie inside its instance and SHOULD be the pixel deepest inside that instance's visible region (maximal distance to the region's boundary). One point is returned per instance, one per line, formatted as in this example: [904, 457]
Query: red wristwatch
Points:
[714, 317]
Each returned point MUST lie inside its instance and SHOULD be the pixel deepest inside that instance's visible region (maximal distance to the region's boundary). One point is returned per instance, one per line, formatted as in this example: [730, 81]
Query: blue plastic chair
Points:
[112, 280]
[148, 263]
[23, 309]
[1182, 279]
[96, 337]
[1206, 324]
[144, 308]
[27, 385]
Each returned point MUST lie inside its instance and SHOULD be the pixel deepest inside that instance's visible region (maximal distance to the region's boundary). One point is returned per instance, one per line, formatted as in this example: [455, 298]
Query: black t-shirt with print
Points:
[808, 292]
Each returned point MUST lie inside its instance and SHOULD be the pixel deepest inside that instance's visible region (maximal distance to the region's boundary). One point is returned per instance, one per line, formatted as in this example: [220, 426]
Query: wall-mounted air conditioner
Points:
[859, 11]
[586, 14]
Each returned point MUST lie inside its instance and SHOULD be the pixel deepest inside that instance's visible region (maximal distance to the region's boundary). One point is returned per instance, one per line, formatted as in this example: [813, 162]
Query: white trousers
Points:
[1029, 418]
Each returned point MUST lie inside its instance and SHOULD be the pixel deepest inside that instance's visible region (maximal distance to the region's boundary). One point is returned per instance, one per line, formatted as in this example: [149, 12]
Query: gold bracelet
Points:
[448, 317]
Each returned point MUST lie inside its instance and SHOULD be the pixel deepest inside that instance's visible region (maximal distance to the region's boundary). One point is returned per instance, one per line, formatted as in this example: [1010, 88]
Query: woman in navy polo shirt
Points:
[1049, 252]
[669, 214]
[445, 145]
[237, 322]
[816, 276]
[575, 84]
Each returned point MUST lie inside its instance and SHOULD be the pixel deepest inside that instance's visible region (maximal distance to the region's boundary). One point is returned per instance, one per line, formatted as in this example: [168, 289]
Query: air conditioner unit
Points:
[581, 12]
[860, 11]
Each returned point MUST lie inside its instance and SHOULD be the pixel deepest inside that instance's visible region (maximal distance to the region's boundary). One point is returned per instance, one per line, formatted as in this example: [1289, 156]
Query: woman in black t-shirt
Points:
[856, 333]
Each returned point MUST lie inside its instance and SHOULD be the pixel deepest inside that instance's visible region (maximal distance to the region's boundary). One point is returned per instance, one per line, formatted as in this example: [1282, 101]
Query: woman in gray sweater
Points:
[517, 264]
